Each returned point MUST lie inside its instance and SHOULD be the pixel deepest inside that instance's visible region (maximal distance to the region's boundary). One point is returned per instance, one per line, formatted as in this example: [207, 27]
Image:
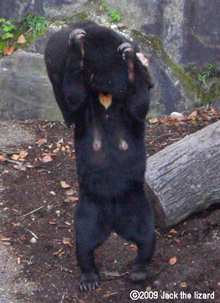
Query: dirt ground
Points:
[39, 192]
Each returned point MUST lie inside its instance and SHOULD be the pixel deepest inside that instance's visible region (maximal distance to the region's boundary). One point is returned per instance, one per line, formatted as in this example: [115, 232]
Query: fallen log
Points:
[184, 178]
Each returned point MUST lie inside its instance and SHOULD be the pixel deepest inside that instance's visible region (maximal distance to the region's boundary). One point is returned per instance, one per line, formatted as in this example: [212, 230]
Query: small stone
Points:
[121, 26]
[113, 26]
[176, 115]
[33, 240]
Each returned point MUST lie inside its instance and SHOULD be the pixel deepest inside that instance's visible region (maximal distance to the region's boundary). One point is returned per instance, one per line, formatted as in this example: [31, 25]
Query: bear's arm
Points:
[74, 88]
[138, 99]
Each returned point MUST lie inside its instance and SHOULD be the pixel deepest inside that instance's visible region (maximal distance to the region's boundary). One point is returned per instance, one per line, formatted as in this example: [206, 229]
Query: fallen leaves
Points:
[21, 39]
[173, 261]
[47, 159]
[203, 114]
[41, 142]
[20, 157]
[70, 192]
[66, 241]
[8, 50]
[154, 120]
[3, 158]
[64, 184]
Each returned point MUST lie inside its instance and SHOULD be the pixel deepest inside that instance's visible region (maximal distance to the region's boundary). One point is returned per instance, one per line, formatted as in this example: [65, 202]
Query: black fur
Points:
[109, 143]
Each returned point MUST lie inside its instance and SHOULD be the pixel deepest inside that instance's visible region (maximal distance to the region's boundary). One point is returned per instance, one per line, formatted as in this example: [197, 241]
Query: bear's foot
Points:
[139, 273]
[89, 282]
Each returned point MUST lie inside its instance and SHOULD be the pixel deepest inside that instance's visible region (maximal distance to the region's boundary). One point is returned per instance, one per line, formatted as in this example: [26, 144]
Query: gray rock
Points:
[189, 30]
[14, 134]
[12, 9]
[176, 115]
[26, 92]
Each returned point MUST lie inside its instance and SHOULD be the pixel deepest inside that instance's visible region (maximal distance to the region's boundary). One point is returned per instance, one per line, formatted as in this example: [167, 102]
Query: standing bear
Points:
[102, 88]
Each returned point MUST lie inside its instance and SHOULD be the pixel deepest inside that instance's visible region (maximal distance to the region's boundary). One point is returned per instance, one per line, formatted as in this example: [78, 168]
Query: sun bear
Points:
[102, 88]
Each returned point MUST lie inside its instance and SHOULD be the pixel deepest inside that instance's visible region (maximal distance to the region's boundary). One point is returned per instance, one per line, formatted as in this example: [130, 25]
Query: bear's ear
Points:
[143, 63]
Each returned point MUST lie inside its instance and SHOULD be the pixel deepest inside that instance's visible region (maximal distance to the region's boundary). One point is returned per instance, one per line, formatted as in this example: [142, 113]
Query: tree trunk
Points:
[184, 177]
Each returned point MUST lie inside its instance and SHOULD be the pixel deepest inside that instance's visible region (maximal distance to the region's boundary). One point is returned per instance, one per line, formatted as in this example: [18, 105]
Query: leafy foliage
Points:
[114, 16]
[35, 23]
[7, 29]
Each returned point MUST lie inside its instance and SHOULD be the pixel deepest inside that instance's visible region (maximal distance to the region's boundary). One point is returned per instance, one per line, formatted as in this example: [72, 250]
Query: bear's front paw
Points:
[89, 282]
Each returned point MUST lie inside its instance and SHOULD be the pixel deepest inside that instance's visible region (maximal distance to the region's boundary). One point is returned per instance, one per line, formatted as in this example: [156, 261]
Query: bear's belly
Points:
[110, 167]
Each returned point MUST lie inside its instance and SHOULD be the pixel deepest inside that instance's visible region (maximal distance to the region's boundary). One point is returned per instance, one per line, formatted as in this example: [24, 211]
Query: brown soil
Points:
[37, 208]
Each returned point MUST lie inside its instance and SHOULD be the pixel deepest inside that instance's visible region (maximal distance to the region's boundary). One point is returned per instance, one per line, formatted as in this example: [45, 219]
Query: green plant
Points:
[202, 78]
[213, 70]
[7, 28]
[114, 16]
[35, 23]
[104, 5]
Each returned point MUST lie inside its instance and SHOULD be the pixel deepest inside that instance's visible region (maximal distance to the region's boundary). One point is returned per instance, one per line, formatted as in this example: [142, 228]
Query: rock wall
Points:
[25, 89]
[189, 29]
[17, 8]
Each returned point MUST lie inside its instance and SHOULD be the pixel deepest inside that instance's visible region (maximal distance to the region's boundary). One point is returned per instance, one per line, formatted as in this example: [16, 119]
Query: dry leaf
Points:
[204, 116]
[23, 154]
[70, 192]
[66, 241]
[183, 284]
[3, 159]
[173, 231]
[153, 120]
[73, 199]
[59, 253]
[41, 142]
[21, 39]
[5, 50]
[56, 151]
[10, 51]
[49, 154]
[15, 157]
[52, 223]
[64, 184]
[215, 111]
[47, 159]
[3, 239]
[173, 261]
[16, 224]
[193, 114]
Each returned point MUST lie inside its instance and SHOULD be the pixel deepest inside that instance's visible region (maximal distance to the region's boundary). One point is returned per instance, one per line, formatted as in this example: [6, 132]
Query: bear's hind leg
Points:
[135, 222]
[93, 227]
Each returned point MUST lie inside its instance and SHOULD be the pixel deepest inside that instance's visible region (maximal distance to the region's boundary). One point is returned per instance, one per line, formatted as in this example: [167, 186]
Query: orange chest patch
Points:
[105, 100]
